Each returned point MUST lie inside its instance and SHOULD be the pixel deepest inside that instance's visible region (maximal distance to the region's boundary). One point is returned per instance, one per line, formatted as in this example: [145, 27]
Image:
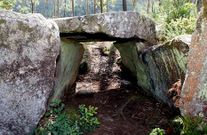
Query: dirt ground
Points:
[125, 112]
[122, 110]
[102, 71]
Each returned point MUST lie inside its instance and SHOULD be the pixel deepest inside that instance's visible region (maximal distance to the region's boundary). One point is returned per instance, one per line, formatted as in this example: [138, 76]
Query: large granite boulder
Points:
[29, 45]
[194, 91]
[158, 67]
[120, 25]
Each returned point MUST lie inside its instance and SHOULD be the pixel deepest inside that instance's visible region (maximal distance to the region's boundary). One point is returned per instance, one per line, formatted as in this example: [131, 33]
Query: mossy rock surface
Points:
[156, 68]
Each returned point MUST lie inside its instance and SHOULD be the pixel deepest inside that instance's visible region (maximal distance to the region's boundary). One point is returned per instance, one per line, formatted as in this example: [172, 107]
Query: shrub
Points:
[55, 107]
[61, 123]
[185, 125]
[190, 125]
[157, 131]
[174, 17]
[63, 126]
[7, 4]
[179, 26]
[183, 10]
[88, 122]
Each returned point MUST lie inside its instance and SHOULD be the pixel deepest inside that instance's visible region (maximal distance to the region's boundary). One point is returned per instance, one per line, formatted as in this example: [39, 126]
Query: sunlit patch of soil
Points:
[121, 109]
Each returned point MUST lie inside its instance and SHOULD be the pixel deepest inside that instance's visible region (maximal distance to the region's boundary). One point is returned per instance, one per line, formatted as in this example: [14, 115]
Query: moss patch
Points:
[23, 27]
[205, 9]
[2, 21]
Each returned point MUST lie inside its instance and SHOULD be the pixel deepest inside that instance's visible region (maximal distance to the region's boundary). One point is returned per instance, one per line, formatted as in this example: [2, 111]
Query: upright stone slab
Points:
[68, 66]
[158, 67]
[166, 66]
[194, 92]
[131, 58]
[29, 45]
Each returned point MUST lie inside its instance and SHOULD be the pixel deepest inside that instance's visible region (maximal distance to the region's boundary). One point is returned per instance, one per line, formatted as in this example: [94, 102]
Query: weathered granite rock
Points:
[194, 91]
[158, 67]
[29, 45]
[67, 68]
[122, 25]
[107, 26]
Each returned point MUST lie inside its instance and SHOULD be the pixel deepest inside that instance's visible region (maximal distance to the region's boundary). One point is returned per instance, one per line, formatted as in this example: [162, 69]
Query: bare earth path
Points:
[121, 109]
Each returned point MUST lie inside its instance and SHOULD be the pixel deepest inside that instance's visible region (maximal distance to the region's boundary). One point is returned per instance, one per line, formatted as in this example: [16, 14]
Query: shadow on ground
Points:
[121, 109]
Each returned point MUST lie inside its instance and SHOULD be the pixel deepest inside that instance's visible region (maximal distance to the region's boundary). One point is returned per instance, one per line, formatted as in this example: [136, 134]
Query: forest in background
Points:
[65, 8]
[173, 17]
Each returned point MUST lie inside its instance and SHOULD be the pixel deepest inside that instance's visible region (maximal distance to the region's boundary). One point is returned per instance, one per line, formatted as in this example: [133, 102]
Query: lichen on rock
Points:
[124, 25]
[194, 95]
[158, 67]
[29, 45]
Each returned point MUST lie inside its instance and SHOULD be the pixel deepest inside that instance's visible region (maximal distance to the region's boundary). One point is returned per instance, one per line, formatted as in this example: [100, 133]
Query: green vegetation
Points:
[56, 107]
[205, 8]
[87, 121]
[157, 131]
[190, 125]
[63, 122]
[174, 17]
[186, 125]
[7, 4]
[64, 8]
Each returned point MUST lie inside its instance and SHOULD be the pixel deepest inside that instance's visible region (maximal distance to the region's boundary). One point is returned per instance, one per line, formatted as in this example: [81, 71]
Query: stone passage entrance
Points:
[121, 109]
[99, 70]
[122, 27]
[155, 67]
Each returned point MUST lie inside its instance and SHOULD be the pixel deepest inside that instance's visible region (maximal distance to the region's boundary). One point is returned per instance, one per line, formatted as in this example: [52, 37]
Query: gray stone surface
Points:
[67, 68]
[158, 67]
[29, 45]
[115, 24]
[194, 92]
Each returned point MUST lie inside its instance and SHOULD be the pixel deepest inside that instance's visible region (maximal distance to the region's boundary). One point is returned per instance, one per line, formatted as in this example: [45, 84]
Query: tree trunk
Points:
[148, 6]
[159, 2]
[58, 8]
[205, 9]
[79, 7]
[94, 6]
[65, 4]
[134, 4]
[73, 10]
[46, 8]
[87, 8]
[101, 5]
[152, 6]
[32, 6]
[199, 5]
[124, 4]
[54, 8]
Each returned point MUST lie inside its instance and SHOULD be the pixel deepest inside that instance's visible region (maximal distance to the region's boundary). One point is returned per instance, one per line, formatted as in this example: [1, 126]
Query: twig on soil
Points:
[120, 111]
